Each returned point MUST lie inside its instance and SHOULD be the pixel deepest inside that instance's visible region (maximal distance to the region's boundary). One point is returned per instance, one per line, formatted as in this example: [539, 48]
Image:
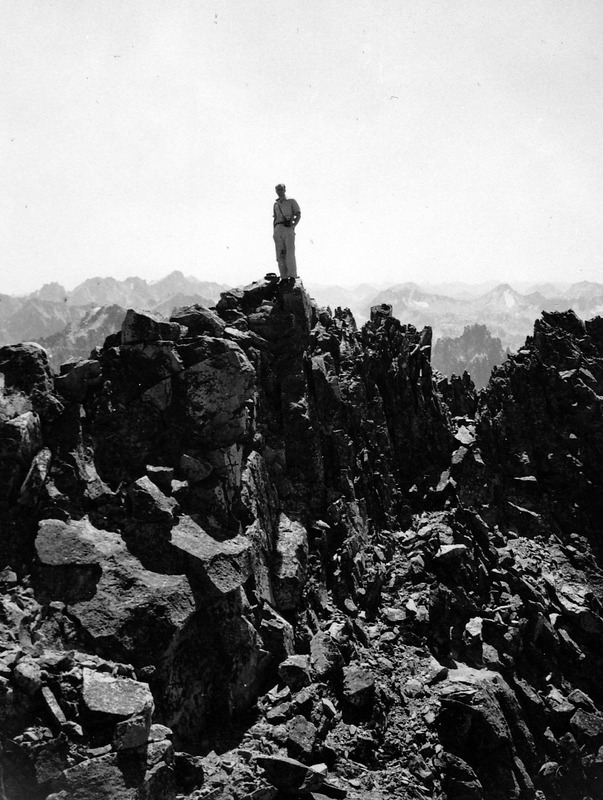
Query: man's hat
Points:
[280, 186]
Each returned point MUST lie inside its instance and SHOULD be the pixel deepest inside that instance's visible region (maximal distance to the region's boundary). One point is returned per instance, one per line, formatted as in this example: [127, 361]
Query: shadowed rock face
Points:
[254, 550]
[541, 424]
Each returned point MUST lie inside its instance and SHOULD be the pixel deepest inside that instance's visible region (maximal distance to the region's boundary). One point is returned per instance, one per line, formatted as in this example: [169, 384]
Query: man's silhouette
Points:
[286, 215]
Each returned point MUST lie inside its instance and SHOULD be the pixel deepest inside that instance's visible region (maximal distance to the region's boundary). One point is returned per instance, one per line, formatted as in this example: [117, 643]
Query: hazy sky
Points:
[424, 141]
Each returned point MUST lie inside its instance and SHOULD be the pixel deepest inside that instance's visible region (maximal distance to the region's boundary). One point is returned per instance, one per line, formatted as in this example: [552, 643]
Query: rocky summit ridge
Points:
[254, 552]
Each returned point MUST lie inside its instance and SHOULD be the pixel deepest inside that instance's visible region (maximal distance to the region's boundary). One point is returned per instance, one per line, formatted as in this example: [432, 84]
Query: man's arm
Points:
[296, 212]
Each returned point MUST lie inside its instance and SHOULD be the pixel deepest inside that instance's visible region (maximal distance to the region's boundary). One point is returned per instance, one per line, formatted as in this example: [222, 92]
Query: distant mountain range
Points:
[131, 292]
[27, 319]
[508, 314]
[79, 338]
[70, 323]
[64, 321]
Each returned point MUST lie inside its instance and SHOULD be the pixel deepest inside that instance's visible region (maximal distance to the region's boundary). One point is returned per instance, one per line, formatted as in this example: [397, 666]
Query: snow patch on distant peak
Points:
[510, 301]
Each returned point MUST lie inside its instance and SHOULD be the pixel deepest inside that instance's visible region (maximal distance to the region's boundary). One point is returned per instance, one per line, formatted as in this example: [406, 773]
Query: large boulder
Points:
[358, 686]
[217, 383]
[277, 634]
[213, 668]
[148, 327]
[149, 504]
[125, 609]
[113, 777]
[219, 566]
[26, 368]
[74, 383]
[325, 655]
[290, 562]
[20, 440]
[116, 698]
[481, 722]
[290, 775]
[124, 707]
[199, 319]
[295, 673]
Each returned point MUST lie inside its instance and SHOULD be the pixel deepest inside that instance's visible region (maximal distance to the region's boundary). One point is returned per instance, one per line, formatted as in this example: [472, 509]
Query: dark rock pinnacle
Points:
[254, 552]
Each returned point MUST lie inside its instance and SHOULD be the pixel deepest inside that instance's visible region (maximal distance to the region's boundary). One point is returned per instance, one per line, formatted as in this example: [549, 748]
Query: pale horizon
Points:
[485, 285]
[424, 143]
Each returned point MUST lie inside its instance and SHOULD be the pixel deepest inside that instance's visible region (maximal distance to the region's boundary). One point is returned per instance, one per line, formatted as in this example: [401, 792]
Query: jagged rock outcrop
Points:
[541, 430]
[475, 351]
[255, 552]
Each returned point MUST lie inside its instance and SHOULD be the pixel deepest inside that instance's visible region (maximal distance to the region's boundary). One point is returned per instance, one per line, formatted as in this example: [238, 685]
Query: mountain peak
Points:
[53, 292]
[501, 288]
[584, 289]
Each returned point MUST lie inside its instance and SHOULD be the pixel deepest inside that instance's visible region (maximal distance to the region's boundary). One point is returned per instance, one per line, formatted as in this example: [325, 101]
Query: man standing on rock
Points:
[286, 215]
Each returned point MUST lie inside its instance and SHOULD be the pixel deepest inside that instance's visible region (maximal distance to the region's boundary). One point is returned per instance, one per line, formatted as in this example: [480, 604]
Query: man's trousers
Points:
[284, 242]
